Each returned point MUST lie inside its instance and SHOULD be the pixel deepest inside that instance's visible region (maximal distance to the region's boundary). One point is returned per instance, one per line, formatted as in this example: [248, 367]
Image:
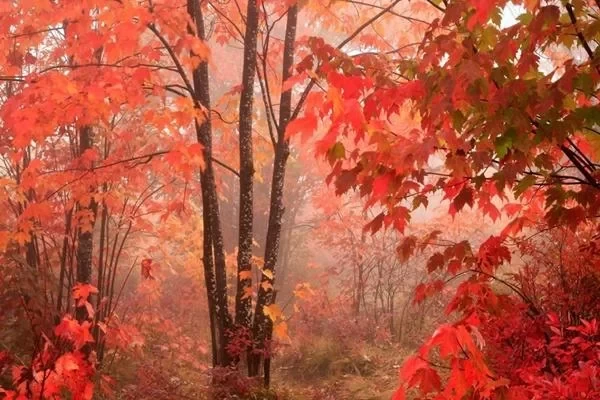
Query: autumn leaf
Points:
[380, 185]
[445, 338]
[72, 330]
[273, 311]
[454, 266]
[22, 238]
[266, 286]
[594, 142]
[66, 363]
[281, 331]
[199, 47]
[248, 293]
[268, 273]
[464, 197]
[244, 275]
[333, 94]
[435, 262]
[81, 292]
[524, 184]
[303, 126]
[399, 395]
[411, 366]
[303, 291]
[406, 248]
[336, 152]
[294, 80]
[483, 8]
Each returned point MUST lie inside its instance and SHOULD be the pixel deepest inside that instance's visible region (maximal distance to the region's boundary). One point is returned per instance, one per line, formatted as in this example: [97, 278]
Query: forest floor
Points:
[320, 371]
[373, 375]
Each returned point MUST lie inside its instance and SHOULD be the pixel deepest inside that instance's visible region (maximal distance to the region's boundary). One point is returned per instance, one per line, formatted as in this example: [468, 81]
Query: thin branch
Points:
[358, 30]
[268, 106]
[222, 14]
[580, 36]
[392, 12]
[146, 157]
[436, 6]
[6, 78]
[176, 61]
[227, 167]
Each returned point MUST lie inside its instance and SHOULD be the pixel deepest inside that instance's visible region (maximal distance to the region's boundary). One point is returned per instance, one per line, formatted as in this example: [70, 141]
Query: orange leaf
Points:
[245, 275]
[399, 395]
[82, 291]
[248, 292]
[305, 126]
[266, 286]
[273, 312]
[65, 363]
[281, 331]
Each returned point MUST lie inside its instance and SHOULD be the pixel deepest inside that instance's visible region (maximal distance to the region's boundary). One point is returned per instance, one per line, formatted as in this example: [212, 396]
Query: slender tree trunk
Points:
[63, 261]
[243, 302]
[268, 339]
[31, 256]
[284, 252]
[85, 237]
[213, 252]
[262, 328]
[101, 269]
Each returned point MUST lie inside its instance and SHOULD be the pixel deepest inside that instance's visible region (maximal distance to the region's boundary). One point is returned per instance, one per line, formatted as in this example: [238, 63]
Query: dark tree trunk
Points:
[31, 253]
[85, 237]
[214, 256]
[243, 302]
[262, 327]
[63, 261]
[101, 268]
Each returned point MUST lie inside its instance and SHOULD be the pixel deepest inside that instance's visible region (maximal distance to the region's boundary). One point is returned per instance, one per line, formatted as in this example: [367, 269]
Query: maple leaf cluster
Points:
[474, 118]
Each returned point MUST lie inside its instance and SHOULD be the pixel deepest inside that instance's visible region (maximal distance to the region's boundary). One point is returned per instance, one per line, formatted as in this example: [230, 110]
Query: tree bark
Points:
[262, 328]
[85, 237]
[63, 261]
[214, 255]
[243, 302]
[101, 261]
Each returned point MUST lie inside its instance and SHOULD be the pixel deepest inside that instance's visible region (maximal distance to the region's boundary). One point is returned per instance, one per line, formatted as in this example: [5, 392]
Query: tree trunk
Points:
[63, 261]
[214, 256]
[85, 237]
[243, 302]
[101, 269]
[262, 328]
[284, 252]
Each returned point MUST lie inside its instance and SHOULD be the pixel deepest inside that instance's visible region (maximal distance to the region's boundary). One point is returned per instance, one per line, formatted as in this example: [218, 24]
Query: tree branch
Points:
[356, 32]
